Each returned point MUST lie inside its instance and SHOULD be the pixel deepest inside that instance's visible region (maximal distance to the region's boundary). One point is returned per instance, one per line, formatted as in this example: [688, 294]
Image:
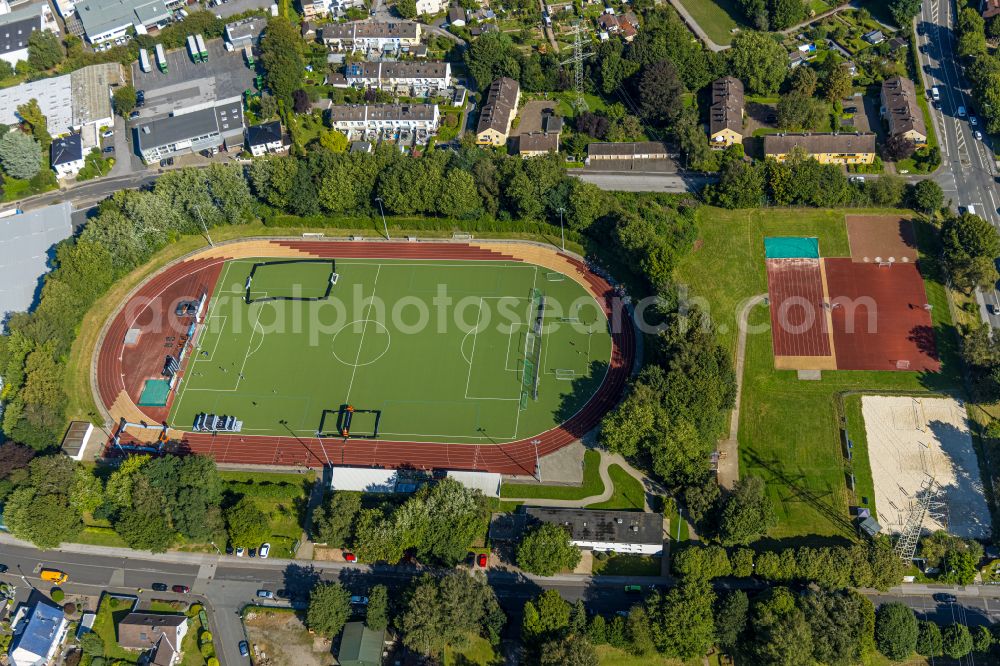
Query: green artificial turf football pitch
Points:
[438, 348]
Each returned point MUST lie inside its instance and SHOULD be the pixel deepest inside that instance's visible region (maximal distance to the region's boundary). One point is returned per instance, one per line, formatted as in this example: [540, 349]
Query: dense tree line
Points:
[151, 503]
[434, 613]
[981, 64]
[801, 180]
[130, 227]
[773, 14]
[871, 564]
[438, 523]
[676, 407]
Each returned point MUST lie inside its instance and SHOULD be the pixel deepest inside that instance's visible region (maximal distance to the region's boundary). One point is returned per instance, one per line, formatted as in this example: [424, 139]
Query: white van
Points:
[935, 94]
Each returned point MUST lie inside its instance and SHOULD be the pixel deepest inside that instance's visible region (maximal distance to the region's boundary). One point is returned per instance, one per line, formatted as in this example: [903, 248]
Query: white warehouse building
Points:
[75, 102]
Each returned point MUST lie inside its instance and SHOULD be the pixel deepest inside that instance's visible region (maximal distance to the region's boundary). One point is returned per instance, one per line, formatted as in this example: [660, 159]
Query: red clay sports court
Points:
[878, 314]
[882, 323]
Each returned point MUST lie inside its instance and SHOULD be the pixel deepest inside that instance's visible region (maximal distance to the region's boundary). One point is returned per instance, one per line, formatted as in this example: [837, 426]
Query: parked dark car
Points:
[160, 587]
[3, 568]
[253, 552]
[244, 648]
[945, 598]
[109, 149]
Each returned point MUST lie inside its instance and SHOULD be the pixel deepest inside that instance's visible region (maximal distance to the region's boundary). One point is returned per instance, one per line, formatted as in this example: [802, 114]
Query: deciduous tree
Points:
[895, 630]
[124, 100]
[282, 59]
[377, 612]
[759, 60]
[546, 549]
[956, 640]
[329, 609]
[929, 643]
[748, 513]
[333, 521]
[20, 155]
[247, 525]
[44, 50]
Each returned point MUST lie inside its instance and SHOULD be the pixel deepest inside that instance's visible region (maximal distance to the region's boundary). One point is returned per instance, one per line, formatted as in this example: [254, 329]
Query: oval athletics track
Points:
[112, 376]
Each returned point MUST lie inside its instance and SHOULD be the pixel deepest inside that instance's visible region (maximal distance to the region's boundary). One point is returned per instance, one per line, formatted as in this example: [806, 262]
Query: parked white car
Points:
[265, 550]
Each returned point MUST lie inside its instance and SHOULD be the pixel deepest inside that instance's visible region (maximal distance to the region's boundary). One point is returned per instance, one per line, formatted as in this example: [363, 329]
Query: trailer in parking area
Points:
[248, 52]
[161, 58]
[193, 49]
[144, 60]
[202, 49]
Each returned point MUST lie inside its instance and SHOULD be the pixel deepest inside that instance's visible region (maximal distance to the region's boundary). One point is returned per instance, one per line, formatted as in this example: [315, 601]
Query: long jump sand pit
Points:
[911, 440]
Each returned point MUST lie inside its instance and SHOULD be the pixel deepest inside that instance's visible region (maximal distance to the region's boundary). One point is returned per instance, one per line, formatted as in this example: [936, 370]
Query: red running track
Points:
[512, 458]
[798, 320]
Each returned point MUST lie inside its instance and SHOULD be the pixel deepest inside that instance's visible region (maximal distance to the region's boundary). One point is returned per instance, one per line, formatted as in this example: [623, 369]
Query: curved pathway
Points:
[607, 460]
[729, 455]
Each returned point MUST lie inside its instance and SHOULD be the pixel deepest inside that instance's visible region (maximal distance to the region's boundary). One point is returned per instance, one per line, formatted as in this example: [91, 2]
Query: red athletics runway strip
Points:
[513, 458]
[879, 317]
[798, 319]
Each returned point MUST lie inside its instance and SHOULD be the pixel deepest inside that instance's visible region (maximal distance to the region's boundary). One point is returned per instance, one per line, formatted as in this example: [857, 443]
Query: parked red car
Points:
[350, 557]
[181, 589]
[482, 559]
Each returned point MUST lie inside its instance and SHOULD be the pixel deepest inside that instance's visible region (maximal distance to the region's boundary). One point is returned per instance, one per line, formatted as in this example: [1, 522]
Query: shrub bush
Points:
[208, 650]
[57, 595]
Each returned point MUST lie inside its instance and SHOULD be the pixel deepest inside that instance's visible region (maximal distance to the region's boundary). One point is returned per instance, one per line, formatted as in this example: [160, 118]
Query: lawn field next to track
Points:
[790, 429]
[437, 346]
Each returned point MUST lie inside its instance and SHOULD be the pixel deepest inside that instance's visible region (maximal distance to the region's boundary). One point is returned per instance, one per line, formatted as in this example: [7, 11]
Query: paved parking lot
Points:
[187, 83]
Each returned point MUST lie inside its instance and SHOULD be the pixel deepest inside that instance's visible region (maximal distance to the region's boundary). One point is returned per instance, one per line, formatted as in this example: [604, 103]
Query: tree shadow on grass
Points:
[582, 388]
[793, 488]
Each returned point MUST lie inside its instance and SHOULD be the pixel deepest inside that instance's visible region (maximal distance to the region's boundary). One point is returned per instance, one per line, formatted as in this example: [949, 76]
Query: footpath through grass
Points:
[629, 494]
[790, 429]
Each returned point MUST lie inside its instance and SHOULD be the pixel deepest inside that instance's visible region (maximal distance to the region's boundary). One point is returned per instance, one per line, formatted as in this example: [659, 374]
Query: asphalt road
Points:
[968, 171]
[225, 584]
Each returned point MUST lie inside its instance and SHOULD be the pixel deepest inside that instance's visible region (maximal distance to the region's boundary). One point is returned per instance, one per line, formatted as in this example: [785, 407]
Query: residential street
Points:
[226, 583]
[968, 170]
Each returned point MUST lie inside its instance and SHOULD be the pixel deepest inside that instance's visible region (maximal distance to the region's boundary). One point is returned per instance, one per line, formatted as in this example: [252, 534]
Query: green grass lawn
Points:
[679, 532]
[591, 484]
[790, 429]
[378, 341]
[627, 565]
[855, 424]
[477, 652]
[628, 494]
[106, 626]
[716, 17]
[189, 646]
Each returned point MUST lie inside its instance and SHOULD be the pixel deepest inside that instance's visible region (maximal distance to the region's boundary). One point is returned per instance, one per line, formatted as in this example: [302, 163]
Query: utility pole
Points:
[204, 228]
[562, 231]
[538, 466]
[385, 227]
